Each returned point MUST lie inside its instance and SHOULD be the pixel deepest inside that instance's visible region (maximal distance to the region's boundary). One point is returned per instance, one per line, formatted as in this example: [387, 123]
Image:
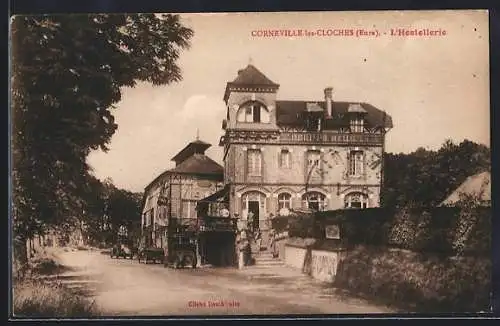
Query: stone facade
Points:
[321, 155]
[176, 192]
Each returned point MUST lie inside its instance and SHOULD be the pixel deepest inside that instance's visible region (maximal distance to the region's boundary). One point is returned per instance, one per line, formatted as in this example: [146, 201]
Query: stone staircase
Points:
[265, 259]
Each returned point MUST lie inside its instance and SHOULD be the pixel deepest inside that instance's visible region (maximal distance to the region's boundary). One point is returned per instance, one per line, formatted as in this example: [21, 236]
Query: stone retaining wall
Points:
[320, 264]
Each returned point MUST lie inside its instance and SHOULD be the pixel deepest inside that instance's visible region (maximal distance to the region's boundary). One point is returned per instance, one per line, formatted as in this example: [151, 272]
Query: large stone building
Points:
[282, 155]
[174, 194]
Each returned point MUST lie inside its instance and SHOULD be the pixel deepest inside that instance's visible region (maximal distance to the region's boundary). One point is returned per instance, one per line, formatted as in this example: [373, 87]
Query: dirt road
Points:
[123, 287]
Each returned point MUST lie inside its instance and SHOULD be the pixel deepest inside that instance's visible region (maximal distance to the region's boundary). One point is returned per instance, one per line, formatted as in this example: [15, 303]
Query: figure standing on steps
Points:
[258, 239]
[272, 244]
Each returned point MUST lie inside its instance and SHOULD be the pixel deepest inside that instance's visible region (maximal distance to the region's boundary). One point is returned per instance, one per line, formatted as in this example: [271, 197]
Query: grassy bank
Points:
[420, 282]
[36, 298]
[35, 295]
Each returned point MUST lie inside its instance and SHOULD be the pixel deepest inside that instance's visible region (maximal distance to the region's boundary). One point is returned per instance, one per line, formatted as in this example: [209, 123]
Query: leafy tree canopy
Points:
[67, 74]
[425, 177]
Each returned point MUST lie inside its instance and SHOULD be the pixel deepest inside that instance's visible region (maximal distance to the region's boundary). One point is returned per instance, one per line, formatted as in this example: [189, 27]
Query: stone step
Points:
[266, 259]
[263, 254]
[265, 267]
[270, 263]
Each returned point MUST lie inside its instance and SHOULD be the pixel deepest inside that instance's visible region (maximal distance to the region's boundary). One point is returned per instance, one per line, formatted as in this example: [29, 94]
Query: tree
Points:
[425, 178]
[67, 74]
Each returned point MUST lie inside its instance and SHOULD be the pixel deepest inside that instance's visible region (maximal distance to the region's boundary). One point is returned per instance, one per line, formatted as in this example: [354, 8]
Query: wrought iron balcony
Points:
[202, 224]
[331, 138]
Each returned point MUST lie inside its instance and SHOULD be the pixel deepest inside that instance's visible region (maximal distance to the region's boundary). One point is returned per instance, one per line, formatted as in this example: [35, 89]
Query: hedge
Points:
[422, 282]
[443, 230]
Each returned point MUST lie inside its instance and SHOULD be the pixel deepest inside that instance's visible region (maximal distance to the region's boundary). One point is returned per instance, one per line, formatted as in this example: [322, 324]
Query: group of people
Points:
[244, 240]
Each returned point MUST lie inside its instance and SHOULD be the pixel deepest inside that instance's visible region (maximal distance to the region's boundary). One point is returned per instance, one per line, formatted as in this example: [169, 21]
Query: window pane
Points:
[285, 159]
[248, 114]
[254, 162]
[356, 204]
[256, 113]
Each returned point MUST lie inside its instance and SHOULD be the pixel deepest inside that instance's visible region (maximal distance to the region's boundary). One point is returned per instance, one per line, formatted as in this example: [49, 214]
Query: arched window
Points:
[284, 201]
[253, 111]
[356, 200]
[314, 200]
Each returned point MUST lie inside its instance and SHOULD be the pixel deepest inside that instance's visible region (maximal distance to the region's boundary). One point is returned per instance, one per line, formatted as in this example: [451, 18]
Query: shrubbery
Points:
[462, 230]
[433, 259]
[429, 282]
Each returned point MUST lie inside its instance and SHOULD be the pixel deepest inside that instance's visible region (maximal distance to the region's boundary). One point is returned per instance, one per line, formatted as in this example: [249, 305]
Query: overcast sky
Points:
[433, 87]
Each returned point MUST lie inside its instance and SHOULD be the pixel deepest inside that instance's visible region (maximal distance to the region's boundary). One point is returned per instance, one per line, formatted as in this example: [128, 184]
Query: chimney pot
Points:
[328, 101]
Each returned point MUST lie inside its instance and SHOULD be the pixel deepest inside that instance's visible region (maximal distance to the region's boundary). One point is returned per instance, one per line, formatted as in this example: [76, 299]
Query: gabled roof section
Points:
[252, 76]
[199, 164]
[313, 107]
[355, 108]
[250, 79]
[478, 184]
[291, 114]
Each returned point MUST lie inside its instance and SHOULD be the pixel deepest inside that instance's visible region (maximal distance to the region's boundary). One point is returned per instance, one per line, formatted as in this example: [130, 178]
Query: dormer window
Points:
[253, 112]
[357, 113]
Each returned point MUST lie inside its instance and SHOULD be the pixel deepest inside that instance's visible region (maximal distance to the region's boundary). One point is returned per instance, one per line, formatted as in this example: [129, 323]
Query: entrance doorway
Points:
[253, 208]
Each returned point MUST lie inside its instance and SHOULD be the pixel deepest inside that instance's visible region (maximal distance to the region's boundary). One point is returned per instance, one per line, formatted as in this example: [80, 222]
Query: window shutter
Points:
[306, 166]
[260, 162]
[246, 167]
[256, 113]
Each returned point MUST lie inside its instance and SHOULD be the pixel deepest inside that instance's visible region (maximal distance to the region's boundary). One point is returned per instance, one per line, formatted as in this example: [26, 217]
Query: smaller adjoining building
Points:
[171, 200]
[172, 196]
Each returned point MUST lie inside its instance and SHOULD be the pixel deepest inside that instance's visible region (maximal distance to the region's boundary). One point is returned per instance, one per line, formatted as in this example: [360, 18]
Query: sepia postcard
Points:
[243, 164]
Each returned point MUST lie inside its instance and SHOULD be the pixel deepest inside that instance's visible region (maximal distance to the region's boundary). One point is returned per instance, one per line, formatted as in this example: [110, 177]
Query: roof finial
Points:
[197, 134]
[250, 61]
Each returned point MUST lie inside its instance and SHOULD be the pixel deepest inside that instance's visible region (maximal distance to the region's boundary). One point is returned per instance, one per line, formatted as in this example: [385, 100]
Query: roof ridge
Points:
[251, 75]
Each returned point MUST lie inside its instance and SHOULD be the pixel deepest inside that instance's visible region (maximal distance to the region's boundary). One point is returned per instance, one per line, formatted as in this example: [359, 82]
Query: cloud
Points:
[200, 107]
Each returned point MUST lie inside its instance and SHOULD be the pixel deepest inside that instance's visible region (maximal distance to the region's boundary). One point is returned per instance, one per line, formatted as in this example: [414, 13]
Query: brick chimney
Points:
[329, 102]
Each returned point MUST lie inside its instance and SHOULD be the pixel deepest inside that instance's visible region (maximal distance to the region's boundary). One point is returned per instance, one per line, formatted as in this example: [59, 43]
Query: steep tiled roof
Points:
[252, 76]
[290, 113]
[196, 146]
[198, 164]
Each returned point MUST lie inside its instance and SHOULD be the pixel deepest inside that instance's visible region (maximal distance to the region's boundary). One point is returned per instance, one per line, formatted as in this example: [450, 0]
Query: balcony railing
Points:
[202, 224]
[333, 138]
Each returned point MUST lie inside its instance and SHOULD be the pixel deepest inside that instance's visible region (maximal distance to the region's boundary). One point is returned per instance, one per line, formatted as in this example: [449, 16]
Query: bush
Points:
[46, 262]
[463, 230]
[301, 242]
[38, 299]
[424, 282]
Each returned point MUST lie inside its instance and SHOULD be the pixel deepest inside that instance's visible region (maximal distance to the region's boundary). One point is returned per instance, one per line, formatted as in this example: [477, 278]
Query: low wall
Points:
[324, 264]
[295, 257]
[320, 264]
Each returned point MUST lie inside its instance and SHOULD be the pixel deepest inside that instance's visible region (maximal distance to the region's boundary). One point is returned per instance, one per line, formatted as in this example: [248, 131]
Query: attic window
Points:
[357, 124]
[254, 112]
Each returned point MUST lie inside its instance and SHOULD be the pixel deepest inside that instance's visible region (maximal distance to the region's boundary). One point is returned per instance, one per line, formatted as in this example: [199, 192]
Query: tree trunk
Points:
[20, 256]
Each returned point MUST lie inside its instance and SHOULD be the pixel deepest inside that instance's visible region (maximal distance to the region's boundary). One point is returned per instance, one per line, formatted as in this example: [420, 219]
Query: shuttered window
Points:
[254, 163]
[356, 163]
[285, 159]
